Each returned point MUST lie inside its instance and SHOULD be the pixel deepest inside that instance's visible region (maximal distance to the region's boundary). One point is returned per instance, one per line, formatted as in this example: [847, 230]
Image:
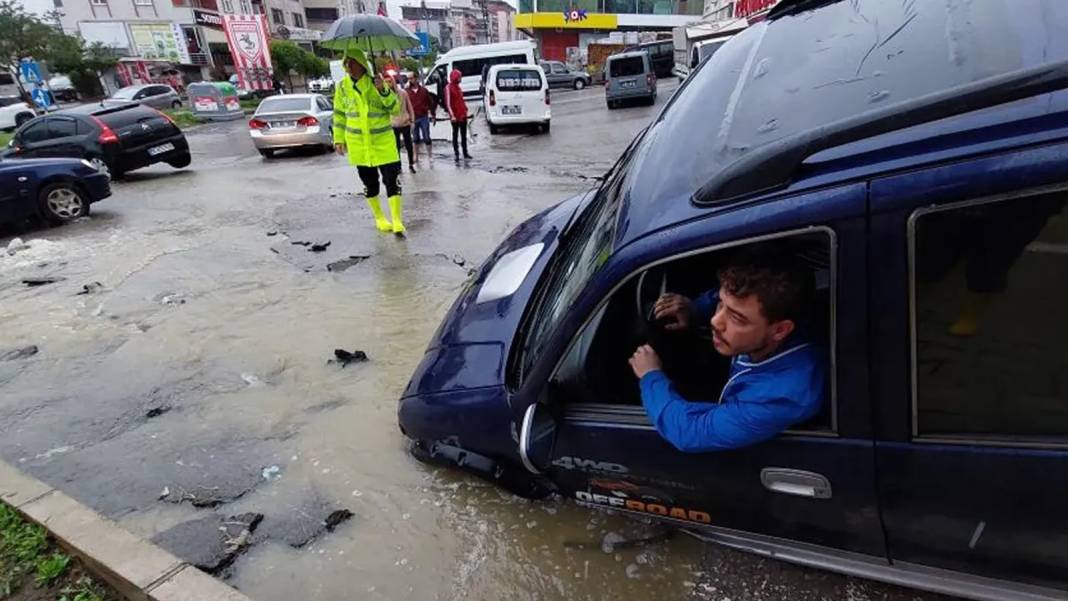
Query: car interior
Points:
[595, 369]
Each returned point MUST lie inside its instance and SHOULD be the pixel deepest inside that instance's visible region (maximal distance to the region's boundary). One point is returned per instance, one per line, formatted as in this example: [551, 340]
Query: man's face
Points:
[354, 68]
[740, 327]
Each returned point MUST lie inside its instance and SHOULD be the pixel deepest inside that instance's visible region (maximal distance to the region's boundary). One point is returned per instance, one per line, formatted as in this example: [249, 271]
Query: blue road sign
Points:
[42, 97]
[30, 71]
[424, 44]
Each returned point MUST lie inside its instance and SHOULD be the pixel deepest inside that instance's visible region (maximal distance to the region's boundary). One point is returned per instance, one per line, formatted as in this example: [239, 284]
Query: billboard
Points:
[163, 41]
[247, 36]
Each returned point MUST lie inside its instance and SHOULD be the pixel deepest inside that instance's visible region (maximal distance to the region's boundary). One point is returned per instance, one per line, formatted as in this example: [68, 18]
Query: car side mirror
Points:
[537, 436]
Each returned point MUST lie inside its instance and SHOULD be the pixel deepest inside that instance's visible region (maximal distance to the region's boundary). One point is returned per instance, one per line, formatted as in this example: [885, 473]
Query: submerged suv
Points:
[922, 177]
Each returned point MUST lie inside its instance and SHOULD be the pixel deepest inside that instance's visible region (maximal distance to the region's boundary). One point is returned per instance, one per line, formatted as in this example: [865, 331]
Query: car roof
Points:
[630, 54]
[479, 49]
[513, 66]
[740, 105]
[306, 95]
[95, 109]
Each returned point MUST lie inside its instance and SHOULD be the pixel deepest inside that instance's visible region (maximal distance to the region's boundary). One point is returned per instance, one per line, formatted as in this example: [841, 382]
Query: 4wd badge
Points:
[589, 465]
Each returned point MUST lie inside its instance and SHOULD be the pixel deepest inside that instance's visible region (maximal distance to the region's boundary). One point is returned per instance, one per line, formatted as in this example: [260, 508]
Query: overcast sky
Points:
[36, 6]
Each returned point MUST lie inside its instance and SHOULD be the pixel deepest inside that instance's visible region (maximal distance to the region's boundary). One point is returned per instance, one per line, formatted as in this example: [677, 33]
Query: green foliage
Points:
[286, 56]
[84, 590]
[51, 567]
[313, 66]
[83, 64]
[20, 546]
[182, 118]
[409, 64]
[21, 33]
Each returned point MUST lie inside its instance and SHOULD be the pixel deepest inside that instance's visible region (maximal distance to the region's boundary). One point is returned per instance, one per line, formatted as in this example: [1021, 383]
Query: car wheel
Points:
[177, 104]
[63, 202]
[22, 118]
[181, 161]
[493, 129]
[545, 127]
[267, 153]
[611, 105]
[580, 83]
[100, 165]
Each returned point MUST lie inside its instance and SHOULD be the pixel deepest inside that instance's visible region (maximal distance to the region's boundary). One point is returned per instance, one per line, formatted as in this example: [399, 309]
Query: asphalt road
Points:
[182, 377]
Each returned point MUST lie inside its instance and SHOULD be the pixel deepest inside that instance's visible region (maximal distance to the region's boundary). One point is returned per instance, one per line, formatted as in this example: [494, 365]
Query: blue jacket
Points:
[758, 402]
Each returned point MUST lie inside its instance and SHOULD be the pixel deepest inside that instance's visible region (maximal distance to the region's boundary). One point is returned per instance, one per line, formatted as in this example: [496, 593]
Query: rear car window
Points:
[279, 104]
[516, 80]
[626, 67]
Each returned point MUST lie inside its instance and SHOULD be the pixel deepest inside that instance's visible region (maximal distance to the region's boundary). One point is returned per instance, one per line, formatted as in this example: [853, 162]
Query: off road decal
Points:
[678, 513]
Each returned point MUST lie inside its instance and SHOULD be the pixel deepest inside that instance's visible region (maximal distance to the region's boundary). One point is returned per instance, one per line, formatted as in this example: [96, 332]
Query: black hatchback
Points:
[115, 139]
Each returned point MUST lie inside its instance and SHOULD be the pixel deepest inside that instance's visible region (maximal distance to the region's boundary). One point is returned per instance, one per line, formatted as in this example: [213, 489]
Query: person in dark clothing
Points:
[419, 97]
[402, 123]
[457, 109]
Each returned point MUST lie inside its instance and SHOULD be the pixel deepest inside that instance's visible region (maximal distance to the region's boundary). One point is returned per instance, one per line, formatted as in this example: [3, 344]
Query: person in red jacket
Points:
[457, 109]
[420, 99]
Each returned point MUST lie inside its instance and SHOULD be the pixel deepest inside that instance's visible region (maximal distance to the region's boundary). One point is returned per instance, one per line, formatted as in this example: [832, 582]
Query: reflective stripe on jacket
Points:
[362, 121]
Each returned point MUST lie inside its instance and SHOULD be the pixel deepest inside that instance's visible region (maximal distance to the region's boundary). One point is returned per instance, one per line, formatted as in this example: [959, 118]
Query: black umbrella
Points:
[368, 33]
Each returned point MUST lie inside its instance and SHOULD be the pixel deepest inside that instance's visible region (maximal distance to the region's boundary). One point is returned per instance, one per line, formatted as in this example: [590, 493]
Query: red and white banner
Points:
[248, 39]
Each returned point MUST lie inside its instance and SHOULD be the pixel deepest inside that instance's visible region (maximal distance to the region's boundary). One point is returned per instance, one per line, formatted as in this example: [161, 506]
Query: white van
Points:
[470, 60]
[515, 95]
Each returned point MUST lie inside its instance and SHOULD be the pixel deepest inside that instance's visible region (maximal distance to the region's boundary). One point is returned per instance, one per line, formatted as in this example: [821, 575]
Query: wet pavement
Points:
[183, 379]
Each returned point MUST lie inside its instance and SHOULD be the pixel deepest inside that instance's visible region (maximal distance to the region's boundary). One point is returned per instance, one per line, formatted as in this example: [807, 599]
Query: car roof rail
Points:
[773, 165]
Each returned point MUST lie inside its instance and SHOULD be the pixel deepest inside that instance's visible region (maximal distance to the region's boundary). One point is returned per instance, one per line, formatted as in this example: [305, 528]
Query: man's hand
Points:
[677, 309]
[644, 361]
[380, 83]
[339, 147]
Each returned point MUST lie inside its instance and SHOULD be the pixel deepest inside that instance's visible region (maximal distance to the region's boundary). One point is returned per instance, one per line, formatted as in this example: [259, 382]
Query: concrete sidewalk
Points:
[137, 569]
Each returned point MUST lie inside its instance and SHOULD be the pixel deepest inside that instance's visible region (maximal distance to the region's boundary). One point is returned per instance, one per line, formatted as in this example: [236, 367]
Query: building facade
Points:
[564, 28]
[751, 10]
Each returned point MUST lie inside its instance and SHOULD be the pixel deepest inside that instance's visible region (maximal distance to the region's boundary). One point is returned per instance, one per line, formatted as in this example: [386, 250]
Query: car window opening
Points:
[595, 370]
[517, 80]
[627, 66]
[989, 282]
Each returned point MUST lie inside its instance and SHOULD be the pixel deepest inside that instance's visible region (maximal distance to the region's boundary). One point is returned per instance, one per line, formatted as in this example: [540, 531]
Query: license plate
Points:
[283, 123]
[511, 110]
[627, 84]
[160, 149]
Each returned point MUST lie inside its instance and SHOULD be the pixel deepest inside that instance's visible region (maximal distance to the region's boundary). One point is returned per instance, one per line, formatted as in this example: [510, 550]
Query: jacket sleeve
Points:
[389, 102]
[700, 427]
[339, 113]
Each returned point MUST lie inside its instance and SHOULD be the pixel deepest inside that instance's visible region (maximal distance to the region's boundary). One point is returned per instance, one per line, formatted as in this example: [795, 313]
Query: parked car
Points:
[58, 190]
[321, 85]
[629, 76]
[292, 121]
[561, 76]
[517, 95]
[114, 139]
[62, 88]
[925, 199]
[14, 112]
[155, 95]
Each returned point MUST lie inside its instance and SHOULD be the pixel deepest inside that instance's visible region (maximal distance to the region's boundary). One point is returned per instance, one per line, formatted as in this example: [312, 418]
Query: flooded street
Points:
[183, 371]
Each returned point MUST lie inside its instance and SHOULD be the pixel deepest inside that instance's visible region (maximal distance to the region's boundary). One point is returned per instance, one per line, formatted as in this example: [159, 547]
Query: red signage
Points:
[745, 8]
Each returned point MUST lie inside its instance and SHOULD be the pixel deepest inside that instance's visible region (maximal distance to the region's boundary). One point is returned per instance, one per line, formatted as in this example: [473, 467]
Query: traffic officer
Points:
[362, 110]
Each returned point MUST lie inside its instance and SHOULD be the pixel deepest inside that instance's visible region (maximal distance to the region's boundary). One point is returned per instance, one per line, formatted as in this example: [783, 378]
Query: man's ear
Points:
[781, 329]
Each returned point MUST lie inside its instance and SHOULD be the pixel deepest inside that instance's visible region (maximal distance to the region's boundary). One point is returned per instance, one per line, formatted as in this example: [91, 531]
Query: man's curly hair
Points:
[780, 282]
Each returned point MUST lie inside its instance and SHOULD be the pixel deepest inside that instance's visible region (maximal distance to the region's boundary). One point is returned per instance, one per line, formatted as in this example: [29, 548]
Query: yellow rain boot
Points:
[381, 222]
[396, 205]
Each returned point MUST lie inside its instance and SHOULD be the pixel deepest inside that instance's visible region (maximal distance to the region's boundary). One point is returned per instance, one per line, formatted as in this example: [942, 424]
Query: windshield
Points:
[584, 250]
[626, 67]
[126, 93]
[512, 80]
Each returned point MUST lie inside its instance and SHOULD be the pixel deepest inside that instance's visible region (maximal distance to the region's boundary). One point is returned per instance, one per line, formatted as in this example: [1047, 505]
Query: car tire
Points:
[611, 105]
[580, 83]
[22, 118]
[177, 104]
[493, 129]
[545, 127]
[267, 153]
[62, 202]
[181, 161]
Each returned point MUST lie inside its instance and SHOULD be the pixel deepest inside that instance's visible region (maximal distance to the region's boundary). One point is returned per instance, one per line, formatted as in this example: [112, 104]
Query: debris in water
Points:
[302, 528]
[163, 493]
[272, 233]
[319, 246]
[344, 357]
[300, 243]
[41, 281]
[91, 288]
[344, 264]
[608, 544]
[157, 411]
[271, 473]
[19, 353]
[210, 543]
[252, 380]
[337, 518]
[632, 571]
[170, 298]
[203, 496]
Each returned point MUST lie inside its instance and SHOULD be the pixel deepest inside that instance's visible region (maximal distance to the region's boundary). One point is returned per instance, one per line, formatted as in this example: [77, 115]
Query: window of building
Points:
[321, 14]
[98, 2]
[298, 20]
[278, 17]
[143, 2]
[57, 3]
[990, 280]
[228, 6]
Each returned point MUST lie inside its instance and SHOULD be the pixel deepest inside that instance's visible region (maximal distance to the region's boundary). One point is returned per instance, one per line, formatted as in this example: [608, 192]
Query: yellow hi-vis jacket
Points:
[362, 121]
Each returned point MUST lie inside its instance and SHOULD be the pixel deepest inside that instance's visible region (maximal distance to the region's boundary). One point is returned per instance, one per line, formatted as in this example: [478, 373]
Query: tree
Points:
[313, 66]
[21, 35]
[69, 54]
[287, 57]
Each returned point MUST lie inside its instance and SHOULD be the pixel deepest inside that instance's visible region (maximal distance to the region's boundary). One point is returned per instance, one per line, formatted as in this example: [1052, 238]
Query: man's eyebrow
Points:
[737, 313]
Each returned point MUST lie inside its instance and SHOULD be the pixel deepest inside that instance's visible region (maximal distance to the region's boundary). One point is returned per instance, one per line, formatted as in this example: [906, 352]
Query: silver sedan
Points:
[292, 121]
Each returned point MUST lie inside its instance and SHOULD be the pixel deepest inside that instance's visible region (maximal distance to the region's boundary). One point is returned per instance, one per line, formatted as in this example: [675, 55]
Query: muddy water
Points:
[228, 331]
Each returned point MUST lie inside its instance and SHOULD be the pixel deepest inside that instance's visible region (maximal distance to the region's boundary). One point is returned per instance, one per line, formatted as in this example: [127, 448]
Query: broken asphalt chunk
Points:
[344, 357]
[210, 543]
[319, 247]
[19, 353]
[91, 287]
[157, 411]
[41, 281]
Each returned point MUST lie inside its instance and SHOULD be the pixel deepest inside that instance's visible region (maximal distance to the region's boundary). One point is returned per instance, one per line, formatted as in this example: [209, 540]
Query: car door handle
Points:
[23, 178]
[795, 482]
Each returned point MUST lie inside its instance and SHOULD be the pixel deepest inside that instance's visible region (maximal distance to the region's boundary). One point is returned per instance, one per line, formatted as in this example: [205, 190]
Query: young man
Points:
[457, 109]
[363, 108]
[420, 99]
[777, 377]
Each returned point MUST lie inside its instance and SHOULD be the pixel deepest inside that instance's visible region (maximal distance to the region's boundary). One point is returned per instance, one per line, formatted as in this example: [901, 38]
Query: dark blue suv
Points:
[914, 156]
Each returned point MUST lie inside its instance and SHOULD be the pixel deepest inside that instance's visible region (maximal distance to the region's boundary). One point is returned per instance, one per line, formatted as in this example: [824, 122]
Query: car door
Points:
[65, 137]
[814, 485]
[325, 114]
[15, 201]
[972, 383]
[32, 139]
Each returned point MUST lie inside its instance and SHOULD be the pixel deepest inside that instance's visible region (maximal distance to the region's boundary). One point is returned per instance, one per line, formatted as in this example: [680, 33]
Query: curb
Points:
[134, 567]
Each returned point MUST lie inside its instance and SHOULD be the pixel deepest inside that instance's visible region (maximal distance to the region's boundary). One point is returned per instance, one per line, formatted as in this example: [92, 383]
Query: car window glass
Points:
[62, 127]
[628, 66]
[990, 283]
[324, 105]
[35, 132]
[595, 369]
[515, 80]
[277, 104]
